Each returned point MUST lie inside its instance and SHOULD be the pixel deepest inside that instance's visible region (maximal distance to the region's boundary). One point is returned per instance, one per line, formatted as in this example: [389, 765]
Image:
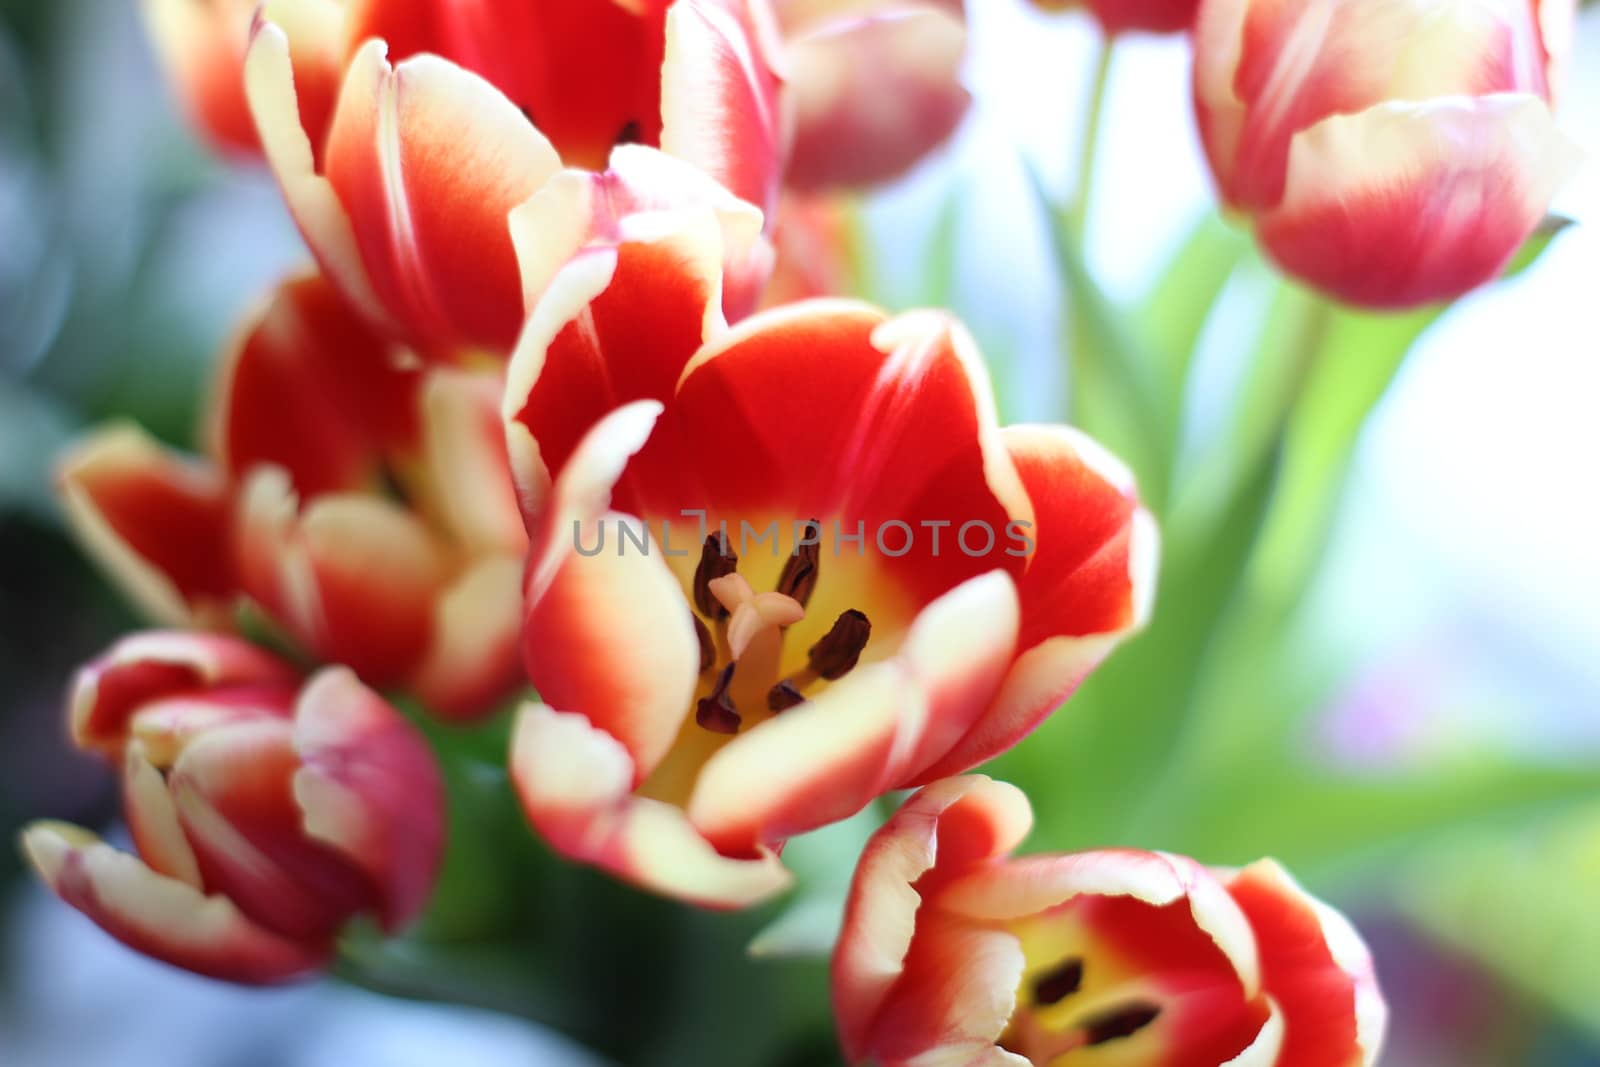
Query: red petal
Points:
[150, 667]
[608, 634]
[368, 787]
[475, 660]
[352, 577]
[429, 160]
[954, 824]
[163, 917]
[234, 791]
[155, 520]
[720, 95]
[1316, 968]
[311, 388]
[574, 781]
[1088, 584]
[1154, 16]
[587, 72]
[616, 325]
[202, 45]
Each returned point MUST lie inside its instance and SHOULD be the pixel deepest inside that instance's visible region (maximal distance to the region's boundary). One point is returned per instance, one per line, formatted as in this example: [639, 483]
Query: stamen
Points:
[784, 696]
[716, 712]
[799, 577]
[1058, 983]
[1119, 1023]
[708, 649]
[840, 649]
[717, 560]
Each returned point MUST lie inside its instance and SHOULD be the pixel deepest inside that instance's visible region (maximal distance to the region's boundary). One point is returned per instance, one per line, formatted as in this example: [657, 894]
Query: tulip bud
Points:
[1390, 152]
[955, 952]
[265, 814]
[876, 86]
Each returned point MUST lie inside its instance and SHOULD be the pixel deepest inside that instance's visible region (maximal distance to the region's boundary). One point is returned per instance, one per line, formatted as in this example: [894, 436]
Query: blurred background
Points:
[1416, 730]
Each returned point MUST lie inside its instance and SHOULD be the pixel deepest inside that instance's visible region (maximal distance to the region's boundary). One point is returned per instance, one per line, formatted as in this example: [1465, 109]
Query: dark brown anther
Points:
[717, 560]
[784, 696]
[799, 577]
[716, 712]
[840, 649]
[708, 650]
[630, 133]
[1119, 1023]
[1058, 983]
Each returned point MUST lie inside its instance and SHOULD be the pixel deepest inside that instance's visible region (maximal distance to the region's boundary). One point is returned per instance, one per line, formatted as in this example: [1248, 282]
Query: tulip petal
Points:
[1035, 884]
[608, 632]
[202, 47]
[161, 916]
[154, 520]
[1317, 968]
[475, 657]
[468, 471]
[574, 782]
[720, 95]
[1407, 204]
[351, 576]
[153, 821]
[146, 668]
[1089, 583]
[586, 71]
[368, 787]
[310, 388]
[233, 786]
[896, 430]
[577, 208]
[615, 325]
[953, 823]
[873, 96]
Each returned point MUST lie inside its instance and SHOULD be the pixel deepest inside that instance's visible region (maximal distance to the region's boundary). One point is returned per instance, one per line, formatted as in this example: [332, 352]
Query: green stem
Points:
[1089, 145]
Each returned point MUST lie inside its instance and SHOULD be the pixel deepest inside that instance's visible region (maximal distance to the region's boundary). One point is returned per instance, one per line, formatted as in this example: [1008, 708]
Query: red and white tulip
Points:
[702, 700]
[360, 503]
[1390, 152]
[450, 115]
[265, 813]
[953, 951]
[875, 84]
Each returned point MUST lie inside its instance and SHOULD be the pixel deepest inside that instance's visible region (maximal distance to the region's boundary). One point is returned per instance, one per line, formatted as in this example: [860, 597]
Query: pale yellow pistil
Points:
[749, 630]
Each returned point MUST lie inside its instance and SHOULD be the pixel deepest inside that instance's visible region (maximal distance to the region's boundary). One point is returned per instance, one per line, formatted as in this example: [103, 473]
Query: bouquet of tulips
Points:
[569, 554]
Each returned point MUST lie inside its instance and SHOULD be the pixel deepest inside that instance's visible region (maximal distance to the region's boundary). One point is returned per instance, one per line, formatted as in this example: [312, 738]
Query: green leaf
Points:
[1111, 388]
[1361, 355]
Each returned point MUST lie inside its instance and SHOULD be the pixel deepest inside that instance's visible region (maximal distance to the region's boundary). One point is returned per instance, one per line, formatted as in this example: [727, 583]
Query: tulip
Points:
[265, 814]
[876, 86]
[817, 249]
[706, 694]
[450, 115]
[359, 505]
[954, 952]
[1122, 16]
[1390, 152]
[202, 43]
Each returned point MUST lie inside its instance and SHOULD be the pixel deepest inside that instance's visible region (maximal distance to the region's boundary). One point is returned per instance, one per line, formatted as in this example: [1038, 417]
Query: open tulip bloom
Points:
[955, 952]
[780, 569]
[266, 811]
